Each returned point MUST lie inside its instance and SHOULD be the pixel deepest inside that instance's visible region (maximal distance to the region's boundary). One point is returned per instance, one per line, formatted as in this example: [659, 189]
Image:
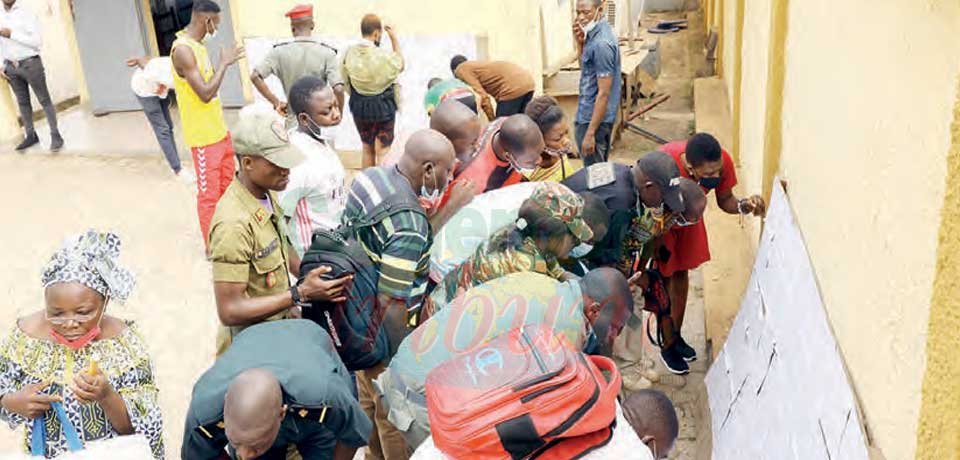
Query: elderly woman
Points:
[71, 373]
[551, 225]
[555, 166]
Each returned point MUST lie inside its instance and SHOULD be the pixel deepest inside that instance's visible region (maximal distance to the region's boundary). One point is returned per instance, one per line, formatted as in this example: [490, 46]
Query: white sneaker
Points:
[186, 177]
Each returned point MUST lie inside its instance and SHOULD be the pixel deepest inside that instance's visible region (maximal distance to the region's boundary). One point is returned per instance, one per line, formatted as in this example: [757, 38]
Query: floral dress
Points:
[26, 360]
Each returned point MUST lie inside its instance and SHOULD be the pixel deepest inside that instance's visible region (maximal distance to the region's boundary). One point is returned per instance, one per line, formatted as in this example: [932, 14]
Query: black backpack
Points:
[354, 325]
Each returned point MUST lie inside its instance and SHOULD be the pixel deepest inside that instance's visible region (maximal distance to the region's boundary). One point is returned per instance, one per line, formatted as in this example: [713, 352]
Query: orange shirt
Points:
[484, 169]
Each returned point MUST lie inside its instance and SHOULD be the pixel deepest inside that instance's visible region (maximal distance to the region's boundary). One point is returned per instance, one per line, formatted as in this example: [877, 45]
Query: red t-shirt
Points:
[484, 169]
[728, 175]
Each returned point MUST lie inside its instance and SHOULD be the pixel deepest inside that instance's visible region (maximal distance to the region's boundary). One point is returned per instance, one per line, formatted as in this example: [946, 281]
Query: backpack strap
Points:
[387, 209]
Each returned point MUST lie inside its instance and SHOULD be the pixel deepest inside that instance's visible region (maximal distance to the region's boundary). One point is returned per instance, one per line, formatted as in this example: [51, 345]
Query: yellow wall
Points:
[865, 130]
[938, 435]
[511, 26]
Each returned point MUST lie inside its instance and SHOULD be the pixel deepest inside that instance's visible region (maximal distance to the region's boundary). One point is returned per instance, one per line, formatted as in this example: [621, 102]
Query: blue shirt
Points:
[601, 58]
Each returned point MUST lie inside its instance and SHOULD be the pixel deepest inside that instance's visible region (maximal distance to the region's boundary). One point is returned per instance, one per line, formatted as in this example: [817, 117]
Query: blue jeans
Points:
[602, 138]
[158, 114]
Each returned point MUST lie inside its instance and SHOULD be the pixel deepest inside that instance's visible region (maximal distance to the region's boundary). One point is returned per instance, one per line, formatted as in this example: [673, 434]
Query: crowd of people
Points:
[372, 287]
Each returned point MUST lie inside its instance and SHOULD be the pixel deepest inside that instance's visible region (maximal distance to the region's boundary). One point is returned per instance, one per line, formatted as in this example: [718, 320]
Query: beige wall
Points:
[62, 68]
[867, 107]
[57, 54]
[511, 26]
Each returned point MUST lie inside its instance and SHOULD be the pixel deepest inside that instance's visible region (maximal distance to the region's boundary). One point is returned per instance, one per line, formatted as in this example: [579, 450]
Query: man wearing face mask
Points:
[600, 82]
[316, 194]
[197, 85]
[251, 254]
[590, 312]
[462, 127]
[650, 190]
[703, 160]
[399, 246]
[509, 151]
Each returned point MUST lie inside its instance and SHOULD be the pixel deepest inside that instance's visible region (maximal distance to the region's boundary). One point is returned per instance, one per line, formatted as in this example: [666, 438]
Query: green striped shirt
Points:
[399, 244]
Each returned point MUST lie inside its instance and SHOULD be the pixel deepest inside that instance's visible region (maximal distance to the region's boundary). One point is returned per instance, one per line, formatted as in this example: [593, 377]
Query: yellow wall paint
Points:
[512, 26]
[866, 170]
[736, 95]
[730, 49]
[772, 133]
[938, 433]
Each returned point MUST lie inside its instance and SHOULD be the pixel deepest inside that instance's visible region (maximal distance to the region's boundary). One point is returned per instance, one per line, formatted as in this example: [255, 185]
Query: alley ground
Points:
[118, 181]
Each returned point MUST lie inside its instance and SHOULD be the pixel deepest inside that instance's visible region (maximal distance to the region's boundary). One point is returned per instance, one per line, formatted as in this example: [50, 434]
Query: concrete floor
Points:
[119, 177]
[683, 61]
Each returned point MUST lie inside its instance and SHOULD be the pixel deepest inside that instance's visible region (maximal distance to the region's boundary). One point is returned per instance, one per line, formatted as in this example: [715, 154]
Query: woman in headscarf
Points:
[71, 362]
[555, 166]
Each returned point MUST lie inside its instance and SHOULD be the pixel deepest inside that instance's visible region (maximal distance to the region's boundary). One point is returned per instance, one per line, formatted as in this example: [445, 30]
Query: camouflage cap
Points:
[264, 135]
[565, 205]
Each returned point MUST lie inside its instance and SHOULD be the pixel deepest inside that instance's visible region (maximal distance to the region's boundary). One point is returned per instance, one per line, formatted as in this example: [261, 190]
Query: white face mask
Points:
[581, 250]
[525, 172]
[592, 24]
[210, 35]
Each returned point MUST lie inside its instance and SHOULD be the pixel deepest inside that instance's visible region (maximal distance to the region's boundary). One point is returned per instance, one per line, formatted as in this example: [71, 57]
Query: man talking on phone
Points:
[600, 83]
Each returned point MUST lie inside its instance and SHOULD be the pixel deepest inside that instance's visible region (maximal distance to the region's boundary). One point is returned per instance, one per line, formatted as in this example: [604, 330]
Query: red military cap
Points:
[300, 11]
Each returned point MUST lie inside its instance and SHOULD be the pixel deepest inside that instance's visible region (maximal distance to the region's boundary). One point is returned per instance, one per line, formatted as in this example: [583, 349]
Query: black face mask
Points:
[710, 182]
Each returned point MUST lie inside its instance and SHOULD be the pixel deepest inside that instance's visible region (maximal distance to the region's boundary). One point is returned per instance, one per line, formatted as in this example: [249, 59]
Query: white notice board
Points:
[778, 389]
[425, 57]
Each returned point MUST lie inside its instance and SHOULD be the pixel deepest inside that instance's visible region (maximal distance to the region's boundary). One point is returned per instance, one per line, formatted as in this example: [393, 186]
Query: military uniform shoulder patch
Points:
[600, 174]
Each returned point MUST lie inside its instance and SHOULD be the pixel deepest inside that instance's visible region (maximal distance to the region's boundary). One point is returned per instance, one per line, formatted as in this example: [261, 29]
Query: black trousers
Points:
[513, 106]
[28, 74]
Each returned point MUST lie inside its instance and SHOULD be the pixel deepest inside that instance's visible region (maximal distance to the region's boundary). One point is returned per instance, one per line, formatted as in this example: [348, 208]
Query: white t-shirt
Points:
[155, 79]
[623, 445]
[316, 194]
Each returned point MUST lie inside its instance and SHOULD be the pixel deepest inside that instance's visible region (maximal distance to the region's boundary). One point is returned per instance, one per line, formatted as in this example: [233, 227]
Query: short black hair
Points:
[301, 91]
[205, 6]
[370, 24]
[545, 111]
[702, 148]
[433, 82]
[656, 416]
[595, 213]
[456, 61]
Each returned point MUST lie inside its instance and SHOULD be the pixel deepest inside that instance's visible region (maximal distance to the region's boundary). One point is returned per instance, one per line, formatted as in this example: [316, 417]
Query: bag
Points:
[354, 325]
[526, 394]
[135, 447]
[656, 300]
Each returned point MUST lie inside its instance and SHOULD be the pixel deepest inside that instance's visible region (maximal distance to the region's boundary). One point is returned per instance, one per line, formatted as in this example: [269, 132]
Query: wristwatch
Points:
[297, 301]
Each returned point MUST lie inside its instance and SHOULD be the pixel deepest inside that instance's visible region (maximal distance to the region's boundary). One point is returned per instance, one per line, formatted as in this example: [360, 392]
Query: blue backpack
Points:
[354, 325]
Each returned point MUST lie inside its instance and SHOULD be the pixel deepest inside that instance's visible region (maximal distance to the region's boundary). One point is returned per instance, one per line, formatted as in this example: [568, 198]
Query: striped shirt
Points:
[316, 194]
[400, 244]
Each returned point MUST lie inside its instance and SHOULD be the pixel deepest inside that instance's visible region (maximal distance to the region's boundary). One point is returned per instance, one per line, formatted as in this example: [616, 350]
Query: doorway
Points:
[171, 16]
[104, 50]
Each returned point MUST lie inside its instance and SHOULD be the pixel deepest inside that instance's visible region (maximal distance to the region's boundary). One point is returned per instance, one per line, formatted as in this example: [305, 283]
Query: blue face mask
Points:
[581, 251]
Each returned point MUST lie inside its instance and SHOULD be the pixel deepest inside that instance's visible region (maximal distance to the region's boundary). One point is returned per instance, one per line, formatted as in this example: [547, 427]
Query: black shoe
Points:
[56, 142]
[685, 350]
[674, 360]
[28, 142]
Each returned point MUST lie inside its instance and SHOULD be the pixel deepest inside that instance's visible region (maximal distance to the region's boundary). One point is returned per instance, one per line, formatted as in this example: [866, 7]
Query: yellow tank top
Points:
[202, 122]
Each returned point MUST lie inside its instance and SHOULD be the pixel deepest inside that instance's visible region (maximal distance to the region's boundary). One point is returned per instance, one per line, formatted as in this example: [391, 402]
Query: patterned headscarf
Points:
[91, 259]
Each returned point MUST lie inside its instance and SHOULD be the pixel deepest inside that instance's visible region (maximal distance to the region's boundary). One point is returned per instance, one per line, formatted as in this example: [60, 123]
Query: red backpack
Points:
[526, 394]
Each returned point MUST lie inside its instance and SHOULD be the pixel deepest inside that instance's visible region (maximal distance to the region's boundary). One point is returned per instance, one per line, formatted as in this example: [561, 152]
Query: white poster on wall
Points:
[778, 389]
[425, 57]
